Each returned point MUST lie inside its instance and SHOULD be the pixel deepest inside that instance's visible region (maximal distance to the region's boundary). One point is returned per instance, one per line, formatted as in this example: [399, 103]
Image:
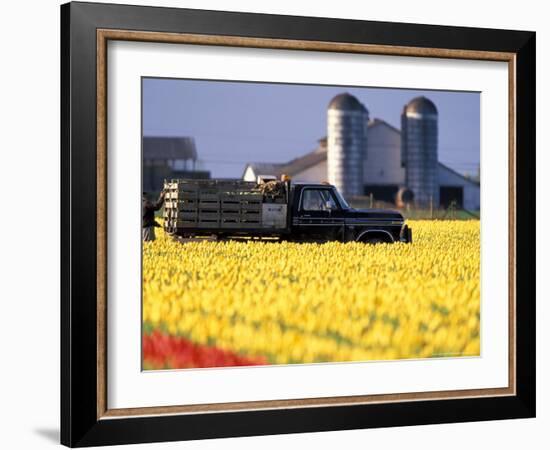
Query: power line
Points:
[252, 137]
[461, 167]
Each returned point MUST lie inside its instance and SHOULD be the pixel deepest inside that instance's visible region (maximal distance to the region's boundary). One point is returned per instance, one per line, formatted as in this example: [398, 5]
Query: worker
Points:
[148, 213]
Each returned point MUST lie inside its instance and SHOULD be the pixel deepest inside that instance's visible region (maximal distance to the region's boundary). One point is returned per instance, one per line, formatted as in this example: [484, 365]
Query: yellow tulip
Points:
[303, 303]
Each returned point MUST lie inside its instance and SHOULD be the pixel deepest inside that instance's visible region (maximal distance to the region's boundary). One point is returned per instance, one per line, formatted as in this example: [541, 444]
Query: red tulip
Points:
[161, 351]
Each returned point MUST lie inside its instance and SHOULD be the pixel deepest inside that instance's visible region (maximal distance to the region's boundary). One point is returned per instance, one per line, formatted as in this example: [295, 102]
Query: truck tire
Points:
[374, 240]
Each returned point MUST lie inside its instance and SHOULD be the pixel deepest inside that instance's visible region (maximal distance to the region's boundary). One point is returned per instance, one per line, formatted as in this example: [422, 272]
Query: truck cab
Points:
[320, 213]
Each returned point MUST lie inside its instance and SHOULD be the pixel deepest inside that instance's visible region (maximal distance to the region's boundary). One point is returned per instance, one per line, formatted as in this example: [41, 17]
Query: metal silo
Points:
[346, 144]
[419, 150]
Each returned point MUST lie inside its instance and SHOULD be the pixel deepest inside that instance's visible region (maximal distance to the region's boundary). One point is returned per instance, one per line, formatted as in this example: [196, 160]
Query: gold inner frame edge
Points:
[103, 36]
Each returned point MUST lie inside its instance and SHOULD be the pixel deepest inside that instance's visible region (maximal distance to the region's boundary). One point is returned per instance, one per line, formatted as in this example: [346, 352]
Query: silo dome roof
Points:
[421, 105]
[346, 102]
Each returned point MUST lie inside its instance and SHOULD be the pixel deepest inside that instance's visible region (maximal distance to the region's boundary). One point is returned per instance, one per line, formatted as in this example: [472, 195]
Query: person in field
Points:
[148, 216]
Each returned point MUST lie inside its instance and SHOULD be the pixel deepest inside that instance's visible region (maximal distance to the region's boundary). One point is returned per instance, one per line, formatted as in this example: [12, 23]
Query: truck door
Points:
[319, 215]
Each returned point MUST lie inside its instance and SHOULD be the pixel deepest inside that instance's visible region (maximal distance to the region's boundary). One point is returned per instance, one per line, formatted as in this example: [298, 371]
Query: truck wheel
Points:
[374, 240]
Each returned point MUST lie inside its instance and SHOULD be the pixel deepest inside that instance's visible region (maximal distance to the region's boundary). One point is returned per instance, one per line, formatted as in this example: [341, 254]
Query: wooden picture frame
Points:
[85, 417]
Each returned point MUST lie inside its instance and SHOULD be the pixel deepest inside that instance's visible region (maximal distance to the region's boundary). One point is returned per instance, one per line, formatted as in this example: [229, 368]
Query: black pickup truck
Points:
[304, 212]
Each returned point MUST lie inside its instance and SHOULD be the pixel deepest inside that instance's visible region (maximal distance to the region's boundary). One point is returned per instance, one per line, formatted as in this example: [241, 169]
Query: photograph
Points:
[337, 225]
[298, 224]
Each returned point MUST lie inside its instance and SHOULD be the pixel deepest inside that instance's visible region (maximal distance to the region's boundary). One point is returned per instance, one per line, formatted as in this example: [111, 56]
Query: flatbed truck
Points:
[283, 210]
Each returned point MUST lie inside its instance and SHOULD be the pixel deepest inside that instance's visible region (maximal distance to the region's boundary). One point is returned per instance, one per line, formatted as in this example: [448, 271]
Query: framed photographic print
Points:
[277, 224]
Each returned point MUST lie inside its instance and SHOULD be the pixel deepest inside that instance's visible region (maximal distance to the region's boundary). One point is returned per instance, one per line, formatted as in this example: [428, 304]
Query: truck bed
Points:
[224, 206]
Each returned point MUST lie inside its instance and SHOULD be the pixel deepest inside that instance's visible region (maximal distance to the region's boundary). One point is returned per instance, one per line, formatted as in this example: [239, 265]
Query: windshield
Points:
[341, 199]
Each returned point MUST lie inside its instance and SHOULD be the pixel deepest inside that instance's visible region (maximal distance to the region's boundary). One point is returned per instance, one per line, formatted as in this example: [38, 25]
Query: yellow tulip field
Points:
[211, 304]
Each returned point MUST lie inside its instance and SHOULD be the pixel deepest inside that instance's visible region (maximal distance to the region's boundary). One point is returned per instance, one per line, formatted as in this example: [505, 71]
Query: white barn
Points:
[383, 171]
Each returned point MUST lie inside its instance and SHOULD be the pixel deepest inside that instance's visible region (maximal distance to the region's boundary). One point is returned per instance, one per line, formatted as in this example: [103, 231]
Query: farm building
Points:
[168, 157]
[363, 156]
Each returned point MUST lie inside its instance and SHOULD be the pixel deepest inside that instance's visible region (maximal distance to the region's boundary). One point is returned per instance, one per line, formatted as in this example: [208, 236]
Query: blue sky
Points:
[238, 122]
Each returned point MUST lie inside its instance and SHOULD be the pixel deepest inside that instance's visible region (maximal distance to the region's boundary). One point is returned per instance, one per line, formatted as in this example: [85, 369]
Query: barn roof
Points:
[457, 174]
[162, 147]
[265, 168]
[304, 162]
[294, 166]
[379, 122]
